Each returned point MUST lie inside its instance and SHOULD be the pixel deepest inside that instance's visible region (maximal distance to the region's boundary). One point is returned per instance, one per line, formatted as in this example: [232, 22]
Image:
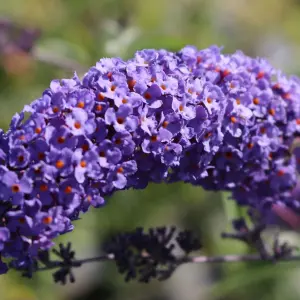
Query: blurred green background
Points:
[75, 34]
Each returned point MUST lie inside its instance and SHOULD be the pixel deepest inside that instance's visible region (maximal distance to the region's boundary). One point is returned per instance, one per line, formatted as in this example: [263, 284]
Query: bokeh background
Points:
[74, 34]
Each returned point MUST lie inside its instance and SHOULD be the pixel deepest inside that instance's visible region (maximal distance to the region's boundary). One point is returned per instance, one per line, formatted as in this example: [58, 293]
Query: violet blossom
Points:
[224, 122]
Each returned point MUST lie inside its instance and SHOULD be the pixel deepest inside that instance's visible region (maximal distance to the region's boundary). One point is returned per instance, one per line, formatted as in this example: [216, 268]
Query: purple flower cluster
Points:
[224, 122]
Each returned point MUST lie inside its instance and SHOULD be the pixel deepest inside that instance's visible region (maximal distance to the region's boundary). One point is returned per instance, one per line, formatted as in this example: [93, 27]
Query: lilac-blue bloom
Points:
[18, 157]
[61, 160]
[86, 165]
[211, 119]
[15, 187]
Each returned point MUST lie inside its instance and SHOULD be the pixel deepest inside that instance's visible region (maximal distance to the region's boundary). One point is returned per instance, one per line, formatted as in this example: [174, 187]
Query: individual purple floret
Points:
[224, 122]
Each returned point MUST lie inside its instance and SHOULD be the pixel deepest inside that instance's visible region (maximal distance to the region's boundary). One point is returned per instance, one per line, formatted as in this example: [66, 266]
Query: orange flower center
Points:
[233, 119]
[47, 220]
[83, 164]
[22, 220]
[44, 187]
[118, 141]
[99, 107]
[165, 124]
[131, 83]
[225, 73]
[147, 96]
[120, 170]
[109, 75]
[59, 164]
[263, 130]
[37, 171]
[77, 125]
[120, 120]
[280, 173]
[260, 75]
[80, 104]
[100, 97]
[153, 138]
[85, 147]
[15, 188]
[38, 130]
[207, 135]
[272, 111]
[41, 155]
[68, 189]
[250, 145]
[55, 109]
[61, 139]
